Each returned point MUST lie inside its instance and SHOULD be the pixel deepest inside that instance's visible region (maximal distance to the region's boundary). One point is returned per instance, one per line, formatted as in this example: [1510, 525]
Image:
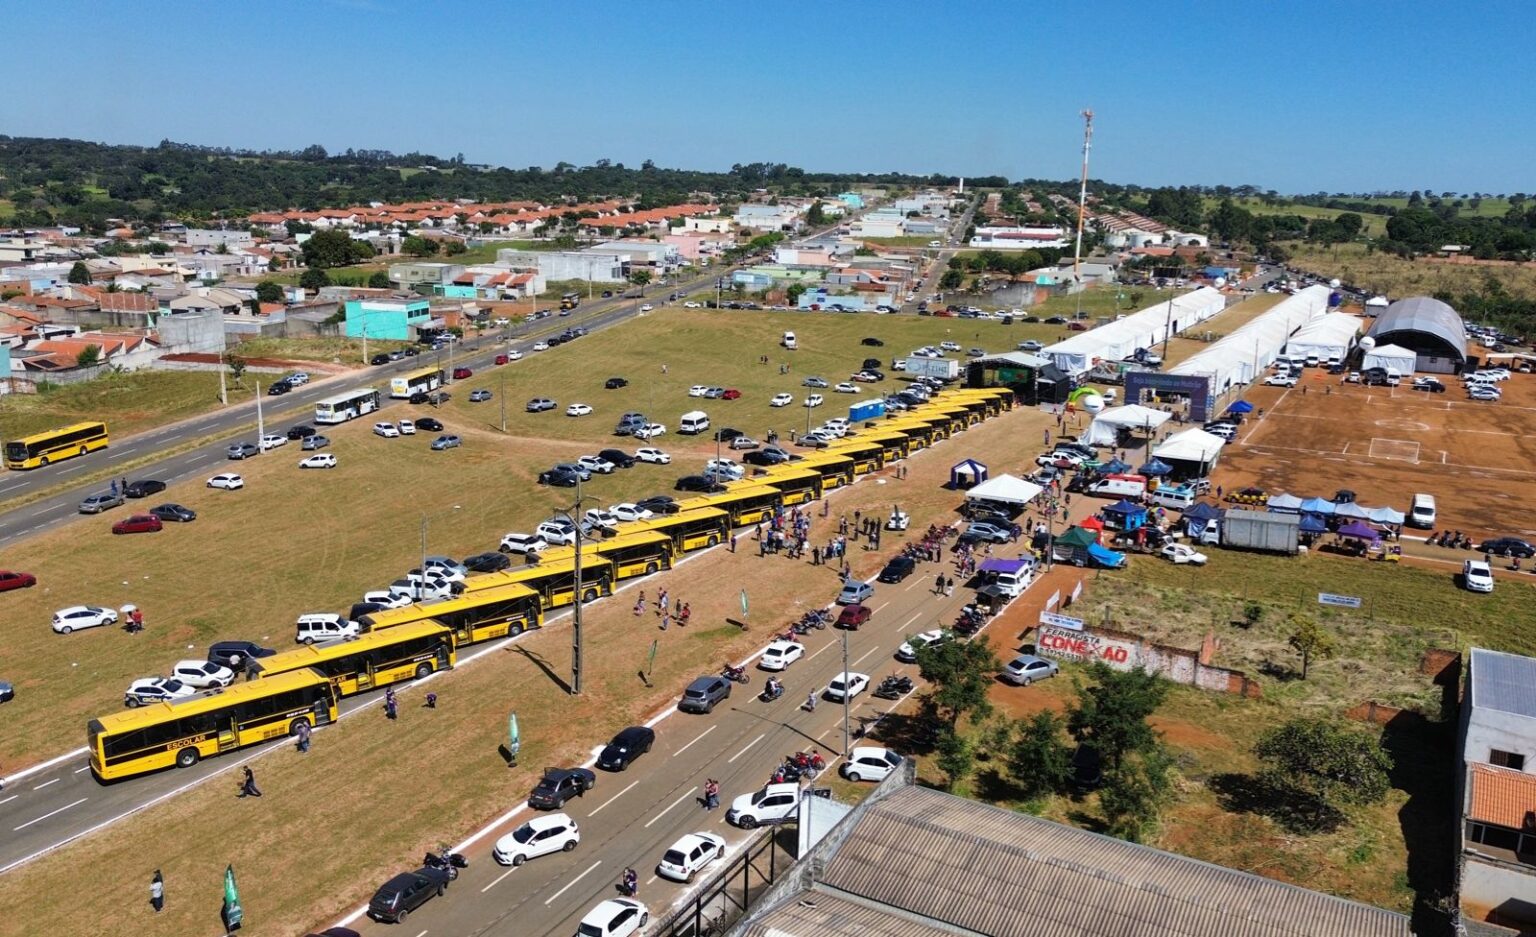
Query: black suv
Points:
[279, 388]
[897, 569]
[405, 893]
[660, 504]
[559, 785]
[301, 431]
[144, 488]
[873, 343]
[704, 693]
[628, 745]
[765, 457]
[618, 457]
[429, 424]
[698, 483]
[560, 477]
[727, 434]
[379, 359]
[236, 654]
[614, 383]
[487, 562]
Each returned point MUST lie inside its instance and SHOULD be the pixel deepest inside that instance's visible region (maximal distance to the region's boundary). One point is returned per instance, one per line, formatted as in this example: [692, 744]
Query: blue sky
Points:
[1345, 96]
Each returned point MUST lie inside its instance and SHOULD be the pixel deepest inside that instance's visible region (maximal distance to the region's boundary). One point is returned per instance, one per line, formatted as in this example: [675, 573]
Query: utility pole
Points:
[846, 694]
[421, 582]
[503, 395]
[1082, 196]
[261, 427]
[575, 520]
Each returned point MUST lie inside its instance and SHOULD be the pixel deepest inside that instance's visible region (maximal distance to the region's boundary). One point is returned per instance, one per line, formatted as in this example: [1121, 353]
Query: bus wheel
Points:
[514, 631]
[423, 670]
[293, 727]
[82, 451]
[43, 461]
[589, 596]
[651, 568]
[714, 540]
[187, 757]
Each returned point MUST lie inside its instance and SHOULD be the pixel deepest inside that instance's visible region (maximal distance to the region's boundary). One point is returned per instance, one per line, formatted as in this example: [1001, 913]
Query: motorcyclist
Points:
[775, 688]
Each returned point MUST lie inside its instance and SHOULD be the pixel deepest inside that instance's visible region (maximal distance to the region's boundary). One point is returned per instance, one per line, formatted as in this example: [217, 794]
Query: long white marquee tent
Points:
[1243, 355]
[1329, 336]
[1117, 340]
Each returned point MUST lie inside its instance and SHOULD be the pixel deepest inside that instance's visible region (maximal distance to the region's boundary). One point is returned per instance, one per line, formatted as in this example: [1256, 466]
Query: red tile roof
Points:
[1502, 797]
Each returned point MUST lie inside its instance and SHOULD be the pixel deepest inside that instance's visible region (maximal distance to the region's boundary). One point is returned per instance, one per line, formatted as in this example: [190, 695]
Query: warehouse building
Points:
[1429, 328]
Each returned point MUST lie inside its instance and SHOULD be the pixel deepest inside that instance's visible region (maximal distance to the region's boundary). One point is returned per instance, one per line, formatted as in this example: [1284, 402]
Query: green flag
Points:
[743, 603]
[514, 737]
[233, 914]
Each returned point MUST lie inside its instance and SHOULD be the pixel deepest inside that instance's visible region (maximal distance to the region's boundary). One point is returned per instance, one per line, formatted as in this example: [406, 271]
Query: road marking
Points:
[46, 783]
[686, 794]
[498, 880]
[743, 751]
[422, 934]
[823, 648]
[690, 744]
[550, 900]
[9, 799]
[865, 654]
[78, 770]
[910, 621]
[879, 607]
[651, 880]
[615, 797]
[49, 814]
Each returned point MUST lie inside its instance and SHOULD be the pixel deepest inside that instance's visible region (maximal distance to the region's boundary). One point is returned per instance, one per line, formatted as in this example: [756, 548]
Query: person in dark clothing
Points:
[248, 786]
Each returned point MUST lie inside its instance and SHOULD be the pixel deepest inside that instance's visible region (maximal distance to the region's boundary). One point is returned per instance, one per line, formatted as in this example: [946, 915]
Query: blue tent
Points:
[1313, 524]
[1115, 467]
[1318, 506]
[1204, 511]
[1240, 406]
[967, 473]
[1156, 467]
[1129, 516]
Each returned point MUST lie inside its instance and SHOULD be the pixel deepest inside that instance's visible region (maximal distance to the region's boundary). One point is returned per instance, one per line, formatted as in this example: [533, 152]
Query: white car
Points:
[522, 544]
[272, 441]
[627, 511]
[514, 355]
[407, 427]
[1477, 576]
[650, 430]
[1051, 458]
[540, 836]
[560, 532]
[909, 648]
[417, 591]
[77, 617]
[781, 400]
[847, 685]
[226, 480]
[541, 346]
[698, 390]
[846, 388]
[775, 803]
[653, 455]
[297, 378]
[690, 854]
[319, 460]
[596, 464]
[950, 346]
[1281, 380]
[600, 518]
[386, 430]
[647, 307]
[814, 400]
[155, 690]
[725, 466]
[1181, 555]
[386, 599]
[577, 409]
[437, 573]
[780, 654]
[838, 425]
[202, 674]
[690, 304]
[869, 763]
[616, 917]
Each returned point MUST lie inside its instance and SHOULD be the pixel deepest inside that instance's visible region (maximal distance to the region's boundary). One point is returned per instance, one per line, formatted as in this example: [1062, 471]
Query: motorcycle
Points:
[787, 773]
[450, 862]
[735, 674]
[810, 764]
[894, 687]
[771, 692]
[797, 629]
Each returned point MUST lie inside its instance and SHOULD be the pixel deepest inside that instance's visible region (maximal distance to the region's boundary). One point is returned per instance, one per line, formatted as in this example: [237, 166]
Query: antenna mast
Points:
[1082, 197]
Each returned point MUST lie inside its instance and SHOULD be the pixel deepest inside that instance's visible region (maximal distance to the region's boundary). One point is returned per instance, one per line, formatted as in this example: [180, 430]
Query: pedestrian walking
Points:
[815, 556]
[303, 736]
[762, 548]
[711, 794]
[949, 586]
[662, 602]
[391, 706]
[640, 604]
[664, 619]
[248, 786]
[157, 892]
[733, 541]
[683, 614]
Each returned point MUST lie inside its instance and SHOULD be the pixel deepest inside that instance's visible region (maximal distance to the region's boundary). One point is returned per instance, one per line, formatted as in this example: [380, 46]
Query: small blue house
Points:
[386, 318]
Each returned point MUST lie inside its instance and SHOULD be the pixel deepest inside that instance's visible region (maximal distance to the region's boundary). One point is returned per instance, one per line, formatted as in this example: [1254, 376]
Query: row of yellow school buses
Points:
[305, 684]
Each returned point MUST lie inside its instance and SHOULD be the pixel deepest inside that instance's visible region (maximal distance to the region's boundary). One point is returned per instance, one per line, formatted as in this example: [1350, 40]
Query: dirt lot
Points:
[1477, 459]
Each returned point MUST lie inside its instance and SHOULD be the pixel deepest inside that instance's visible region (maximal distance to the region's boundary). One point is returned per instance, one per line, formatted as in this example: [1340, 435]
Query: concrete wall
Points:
[192, 331]
[1507, 891]
[1125, 650]
[1488, 729]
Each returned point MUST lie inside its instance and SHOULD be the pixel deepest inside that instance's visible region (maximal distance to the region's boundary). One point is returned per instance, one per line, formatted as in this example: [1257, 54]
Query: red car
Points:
[460, 374]
[852, 616]
[731, 393]
[1077, 326]
[10, 580]
[137, 524]
[502, 359]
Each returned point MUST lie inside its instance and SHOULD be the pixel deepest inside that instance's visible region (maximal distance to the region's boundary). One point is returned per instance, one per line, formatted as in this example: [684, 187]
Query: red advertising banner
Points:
[1085, 646]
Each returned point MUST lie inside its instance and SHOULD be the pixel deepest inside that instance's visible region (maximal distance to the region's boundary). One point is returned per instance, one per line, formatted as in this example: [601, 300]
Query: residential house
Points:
[853, 200]
[215, 238]
[493, 282]
[386, 318]
[884, 223]
[710, 225]
[657, 256]
[211, 299]
[763, 217]
[423, 275]
[1019, 237]
[127, 350]
[22, 248]
[592, 265]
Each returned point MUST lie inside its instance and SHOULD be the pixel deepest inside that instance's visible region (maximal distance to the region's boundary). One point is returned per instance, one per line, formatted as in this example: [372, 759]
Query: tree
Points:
[334, 248]
[1039, 760]
[312, 279]
[1349, 224]
[955, 757]
[236, 366]
[815, 216]
[1309, 640]
[80, 273]
[418, 246]
[640, 278]
[1318, 766]
[454, 248]
[1135, 793]
[961, 673]
[269, 292]
[794, 292]
[89, 355]
[378, 280]
[951, 280]
[1112, 715]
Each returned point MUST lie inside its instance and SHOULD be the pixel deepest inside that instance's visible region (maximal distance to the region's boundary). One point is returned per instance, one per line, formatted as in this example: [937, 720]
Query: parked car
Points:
[596, 464]
[522, 544]
[1281, 380]
[814, 382]
[387, 430]
[650, 430]
[155, 690]
[852, 616]
[242, 450]
[855, 592]
[690, 855]
[77, 617]
[578, 409]
[479, 396]
[228, 481]
[616, 917]
[10, 579]
[1477, 576]
[540, 836]
[704, 693]
[462, 373]
[138, 524]
[317, 441]
[814, 400]
[653, 455]
[447, 441]
[618, 457]
[846, 686]
[780, 654]
[1182, 554]
[614, 383]
[1027, 668]
[907, 652]
[899, 568]
[622, 750]
[236, 654]
[202, 674]
[1507, 546]
[539, 405]
[846, 387]
[775, 803]
[559, 785]
[300, 431]
[143, 488]
[406, 892]
[428, 424]
[493, 562]
[320, 460]
[698, 483]
[870, 763]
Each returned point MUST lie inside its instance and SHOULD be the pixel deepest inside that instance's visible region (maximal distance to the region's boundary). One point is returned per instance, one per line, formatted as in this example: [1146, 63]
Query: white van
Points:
[1174, 497]
[693, 422]
[1014, 584]
[1119, 486]
[788, 341]
[1422, 514]
[324, 626]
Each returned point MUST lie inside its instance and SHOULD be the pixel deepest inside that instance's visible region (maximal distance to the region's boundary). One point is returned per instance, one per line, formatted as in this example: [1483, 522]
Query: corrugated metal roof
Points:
[993, 871]
[818, 913]
[1424, 315]
[1503, 682]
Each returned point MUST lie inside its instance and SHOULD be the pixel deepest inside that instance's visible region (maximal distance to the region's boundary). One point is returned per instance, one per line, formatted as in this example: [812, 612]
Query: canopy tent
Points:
[1241, 356]
[1193, 450]
[967, 473]
[1117, 340]
[997, 564]
[1077, 537]
[1392, 357]
[1107, 424]
[1106, 557]
[1155, 468]
[1312, 524]
[1329, 336]
[1127, 515]
[1092, 523]
[1122, 507]
[1359, 530]
[1005, 489]
[1115, 467]
[1204, 511]
[1318, 506]
[1282, 502]
[1350, 510]
[1385, 515]
[1240, 406]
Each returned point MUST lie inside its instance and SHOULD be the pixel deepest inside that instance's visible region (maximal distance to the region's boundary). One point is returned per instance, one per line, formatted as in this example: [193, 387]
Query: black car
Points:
[487, 562]
[174, 513]
[873, 343]
[279, 388]
[659, 504]
[870, 364]
[764, 457]
[628, 745]
[1056, 320]
[897, 569]
[429, 424]
[559, 785]
[410, 351]
[235, 654]
[143, 488]
[727, 434]
[379, 359]
[614, 383]
[1507, 546]
[560, 477]
[618, 457]
[698, 483]
[301, 431]
[405, 893]
[419, 396]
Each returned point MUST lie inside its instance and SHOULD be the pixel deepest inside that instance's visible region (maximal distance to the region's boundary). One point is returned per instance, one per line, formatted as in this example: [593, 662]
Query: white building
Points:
[763, 217]
[596, 266]
[212, 238]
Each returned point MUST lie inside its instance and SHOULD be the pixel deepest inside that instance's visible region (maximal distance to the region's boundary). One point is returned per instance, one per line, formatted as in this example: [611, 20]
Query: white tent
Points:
[1392, 356]
[1192, 445]
[1105, 428]
[1329, 336]
[1114, 341]
[1006, 489]
[1243, 355]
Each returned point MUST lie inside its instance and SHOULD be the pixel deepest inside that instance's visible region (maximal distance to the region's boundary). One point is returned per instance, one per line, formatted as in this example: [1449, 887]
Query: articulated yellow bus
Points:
[867, 455]
[797, 485]
[482, 615]
[370, 660]
[39, 449]
[744, 502]
[623, 557]
[555, 581]
[691, 530]
[209, 723]
[836, 470]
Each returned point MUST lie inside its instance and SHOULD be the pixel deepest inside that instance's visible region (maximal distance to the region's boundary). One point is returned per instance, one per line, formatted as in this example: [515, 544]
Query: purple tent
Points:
[1358, 530]
[999, 565]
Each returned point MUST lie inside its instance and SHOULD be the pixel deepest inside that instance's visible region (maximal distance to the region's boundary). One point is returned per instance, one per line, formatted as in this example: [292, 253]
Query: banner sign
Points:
[1053, 601]
[1077, 590]
[1339, 601]
[1061, 621]
[1084, 646]
[1197, 387]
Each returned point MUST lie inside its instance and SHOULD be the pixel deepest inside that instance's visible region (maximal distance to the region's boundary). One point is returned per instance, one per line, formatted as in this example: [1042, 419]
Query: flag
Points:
[233, 913]
[743, 603]
[514, 737]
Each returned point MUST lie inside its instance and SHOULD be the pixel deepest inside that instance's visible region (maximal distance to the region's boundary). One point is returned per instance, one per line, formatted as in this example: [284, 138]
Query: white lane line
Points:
[49, 814]
[498, 880]
[732, 759]
[422, 934]
[614, 797]
[46, 783]
[690, 744]
[686, 794]
[864, 655]
[823, 648]
[651, 880]
[550, 900]
[910, 621]
[878, 607]
[78, 770]
[9, 799]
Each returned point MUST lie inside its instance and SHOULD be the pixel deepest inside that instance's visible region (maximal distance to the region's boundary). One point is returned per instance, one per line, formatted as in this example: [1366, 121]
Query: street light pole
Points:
[261, 426]
[421, 581]
[846, 694]
[570, 515]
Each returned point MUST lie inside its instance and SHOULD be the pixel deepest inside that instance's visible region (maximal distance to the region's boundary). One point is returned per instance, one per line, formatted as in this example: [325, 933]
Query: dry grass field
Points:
[1395, 278]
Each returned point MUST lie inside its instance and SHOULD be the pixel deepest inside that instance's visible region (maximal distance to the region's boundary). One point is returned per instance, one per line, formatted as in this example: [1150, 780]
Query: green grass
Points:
[330, 348]
[7, 208]
[129, 402]
[909, 240]
[1396, 278]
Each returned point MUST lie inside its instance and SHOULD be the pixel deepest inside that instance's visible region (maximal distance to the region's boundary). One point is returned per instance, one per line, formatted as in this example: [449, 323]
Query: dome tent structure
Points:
[1429, 328]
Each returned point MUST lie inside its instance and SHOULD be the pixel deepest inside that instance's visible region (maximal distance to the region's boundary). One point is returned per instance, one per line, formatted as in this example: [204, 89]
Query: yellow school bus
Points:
[797, 485]
[836, 470]
[744, 502]
[867, 455]
[370, 660]
[209, 723]
[39, 449]
[482, 615]
[553, 580]
[692, 530]
[623, 557]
